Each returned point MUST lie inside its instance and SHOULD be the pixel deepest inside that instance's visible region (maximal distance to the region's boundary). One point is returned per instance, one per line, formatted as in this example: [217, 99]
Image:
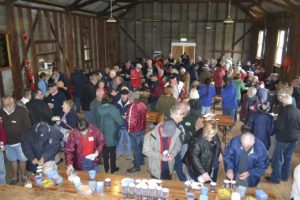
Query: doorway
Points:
[178, 49]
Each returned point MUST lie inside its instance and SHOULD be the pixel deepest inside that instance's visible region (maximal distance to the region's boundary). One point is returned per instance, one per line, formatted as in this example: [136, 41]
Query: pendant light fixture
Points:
[208, 14]
[111, 19]
[228, 20]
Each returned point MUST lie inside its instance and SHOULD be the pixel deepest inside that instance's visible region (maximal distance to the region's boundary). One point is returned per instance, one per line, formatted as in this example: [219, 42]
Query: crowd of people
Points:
[45, 124]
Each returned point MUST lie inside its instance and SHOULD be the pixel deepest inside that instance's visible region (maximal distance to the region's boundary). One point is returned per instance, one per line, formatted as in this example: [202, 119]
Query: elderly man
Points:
[40, 144]
[55, 99]
[136, 125]
[15, 120]
[246, 160]
[287, 135]
[25, 98]
[38, 109]
[88, 93]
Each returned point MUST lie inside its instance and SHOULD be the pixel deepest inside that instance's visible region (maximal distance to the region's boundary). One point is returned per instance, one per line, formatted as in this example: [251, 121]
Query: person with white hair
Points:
[249, 104]
[287, 134]
[136, 78]
[246, 160]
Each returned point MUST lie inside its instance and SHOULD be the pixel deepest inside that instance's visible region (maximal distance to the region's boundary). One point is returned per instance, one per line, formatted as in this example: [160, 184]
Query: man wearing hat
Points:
[123, 105]
[40, 144]
[55, 99]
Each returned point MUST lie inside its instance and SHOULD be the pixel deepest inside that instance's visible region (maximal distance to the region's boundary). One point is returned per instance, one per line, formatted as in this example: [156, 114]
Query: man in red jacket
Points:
[2, 148]
[136, 125]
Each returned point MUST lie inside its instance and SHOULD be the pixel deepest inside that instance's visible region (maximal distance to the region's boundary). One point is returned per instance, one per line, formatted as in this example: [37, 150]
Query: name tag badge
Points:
[52, 99]
[91, 139]
[14, 122]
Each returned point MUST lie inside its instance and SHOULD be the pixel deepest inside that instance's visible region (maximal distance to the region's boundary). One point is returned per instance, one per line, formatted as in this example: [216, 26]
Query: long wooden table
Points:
[114, 192]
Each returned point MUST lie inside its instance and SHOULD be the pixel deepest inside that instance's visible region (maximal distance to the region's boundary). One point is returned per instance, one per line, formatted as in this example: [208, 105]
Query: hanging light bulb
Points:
[111, 19]
[208, 14]
[228, 20]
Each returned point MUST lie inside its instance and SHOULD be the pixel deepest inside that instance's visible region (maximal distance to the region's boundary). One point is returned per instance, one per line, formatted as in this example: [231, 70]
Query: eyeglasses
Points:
[181, 114]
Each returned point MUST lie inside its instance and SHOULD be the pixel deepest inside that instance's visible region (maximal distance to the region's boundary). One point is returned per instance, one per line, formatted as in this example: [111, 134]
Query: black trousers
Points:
[109, 158]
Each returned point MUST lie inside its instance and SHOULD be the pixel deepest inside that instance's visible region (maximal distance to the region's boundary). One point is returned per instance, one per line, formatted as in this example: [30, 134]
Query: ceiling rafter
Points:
[107, 8]
[73, 5]
[283, 6]
[86, 3]
[125, 7]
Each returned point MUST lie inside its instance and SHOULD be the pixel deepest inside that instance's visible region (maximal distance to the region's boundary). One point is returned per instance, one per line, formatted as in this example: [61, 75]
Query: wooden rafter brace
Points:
[286, 7]
[31, 33]
[56, 37]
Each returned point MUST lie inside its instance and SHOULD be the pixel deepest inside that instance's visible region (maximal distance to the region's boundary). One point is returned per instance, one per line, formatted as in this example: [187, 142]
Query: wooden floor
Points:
[282, 191]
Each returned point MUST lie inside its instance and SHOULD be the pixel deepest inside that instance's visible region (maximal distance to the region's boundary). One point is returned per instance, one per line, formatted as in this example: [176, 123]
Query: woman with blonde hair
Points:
[204, 153]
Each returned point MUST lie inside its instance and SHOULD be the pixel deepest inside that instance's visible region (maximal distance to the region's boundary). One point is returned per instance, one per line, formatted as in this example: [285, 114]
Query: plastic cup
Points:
[232, 184]
[100, 188]
[235, 196]
[165, 193]
[152, 192]
[145, 191]
[92, 174]
[93, 184]
[159, 182]
[190, 196]
[204, 190]
[107, 182]
[77, 185]
[203, 197]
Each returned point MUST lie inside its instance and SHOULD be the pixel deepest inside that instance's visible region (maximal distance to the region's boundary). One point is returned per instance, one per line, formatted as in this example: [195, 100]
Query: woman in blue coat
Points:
[206, 92]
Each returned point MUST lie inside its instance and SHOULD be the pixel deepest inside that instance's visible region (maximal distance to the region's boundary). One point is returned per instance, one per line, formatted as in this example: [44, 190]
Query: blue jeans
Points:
[281, 161]
[124, 138]
[2, 168]
[77, 104]
[137, 141]
[178, 166]
[205, 110]
[88, 116]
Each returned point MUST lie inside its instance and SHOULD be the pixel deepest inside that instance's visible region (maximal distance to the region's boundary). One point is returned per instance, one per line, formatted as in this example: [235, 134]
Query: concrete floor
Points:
[282, 191]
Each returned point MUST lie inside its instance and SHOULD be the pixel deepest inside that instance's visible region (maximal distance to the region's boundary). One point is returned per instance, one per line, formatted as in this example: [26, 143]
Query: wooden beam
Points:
[73, 5]
[13, 42]
[87, 3]
[45, 41]
[134, 42]
[123, 7]
[47, 3]
[107, 8]
[31, 33]
[127, 10]
[293, 10]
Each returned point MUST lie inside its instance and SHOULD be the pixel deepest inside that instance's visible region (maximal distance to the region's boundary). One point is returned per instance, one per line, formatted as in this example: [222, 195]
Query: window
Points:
[260, 44]
[279, 47]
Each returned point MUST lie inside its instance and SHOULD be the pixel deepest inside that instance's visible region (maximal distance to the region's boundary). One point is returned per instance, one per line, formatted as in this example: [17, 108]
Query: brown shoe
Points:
[132, 170]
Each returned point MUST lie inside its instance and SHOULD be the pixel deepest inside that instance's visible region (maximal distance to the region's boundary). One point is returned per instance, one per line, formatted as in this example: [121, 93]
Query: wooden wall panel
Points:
[57, 36]
[176, 20]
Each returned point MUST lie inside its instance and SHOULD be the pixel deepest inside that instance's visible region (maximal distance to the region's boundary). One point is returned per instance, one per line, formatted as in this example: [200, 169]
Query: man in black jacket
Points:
[38, 109]
[88, 93]
[40, 144]
[287, 135]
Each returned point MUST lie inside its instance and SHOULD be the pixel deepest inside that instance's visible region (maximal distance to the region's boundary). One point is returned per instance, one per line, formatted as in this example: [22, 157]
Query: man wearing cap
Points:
[136, 125]
[55, 99]
[161, 145]
[136, 78]
[123, 105]
[40, 144]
